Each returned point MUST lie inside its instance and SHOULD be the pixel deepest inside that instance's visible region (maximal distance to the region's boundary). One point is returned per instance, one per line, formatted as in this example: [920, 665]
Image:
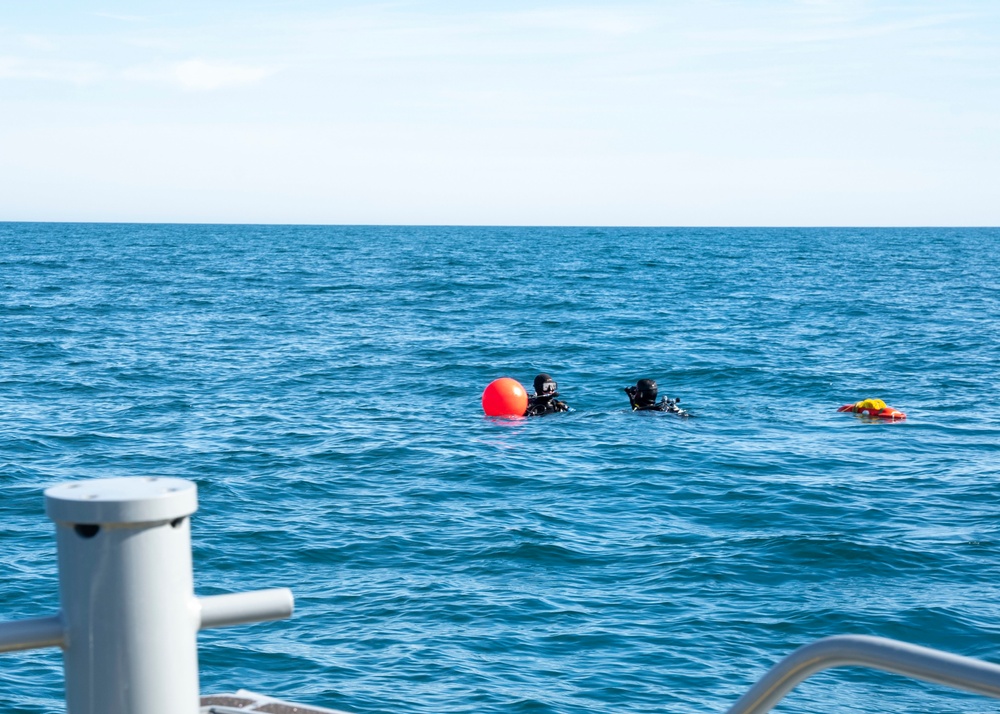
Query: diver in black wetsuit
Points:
[544, 401]
[642, 397]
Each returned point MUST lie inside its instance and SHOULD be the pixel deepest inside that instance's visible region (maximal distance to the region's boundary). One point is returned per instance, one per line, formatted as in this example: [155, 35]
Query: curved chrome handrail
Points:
[930, 665]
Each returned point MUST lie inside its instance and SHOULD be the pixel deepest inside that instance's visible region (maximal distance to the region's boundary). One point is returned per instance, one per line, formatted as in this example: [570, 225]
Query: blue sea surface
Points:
[321, 385]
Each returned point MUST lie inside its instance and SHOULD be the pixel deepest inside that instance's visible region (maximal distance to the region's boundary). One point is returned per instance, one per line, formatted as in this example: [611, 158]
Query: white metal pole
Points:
[129, 616]
[128, 605]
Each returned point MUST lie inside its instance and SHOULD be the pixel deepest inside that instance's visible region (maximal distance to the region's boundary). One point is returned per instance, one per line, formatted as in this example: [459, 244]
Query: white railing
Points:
[972, 675]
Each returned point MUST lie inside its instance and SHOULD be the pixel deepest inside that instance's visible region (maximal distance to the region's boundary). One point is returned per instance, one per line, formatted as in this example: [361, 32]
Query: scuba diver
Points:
[642, 397]
[544, 401]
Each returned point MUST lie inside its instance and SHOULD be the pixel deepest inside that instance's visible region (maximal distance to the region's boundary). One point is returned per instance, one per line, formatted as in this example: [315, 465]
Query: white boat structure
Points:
[129, 617]
[244, 701]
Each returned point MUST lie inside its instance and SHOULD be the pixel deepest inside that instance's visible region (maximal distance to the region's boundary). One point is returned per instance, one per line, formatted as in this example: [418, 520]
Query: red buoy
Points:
[505, 397]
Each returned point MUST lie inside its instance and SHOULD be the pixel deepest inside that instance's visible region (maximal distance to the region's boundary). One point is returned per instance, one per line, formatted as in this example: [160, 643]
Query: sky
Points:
[670, 113]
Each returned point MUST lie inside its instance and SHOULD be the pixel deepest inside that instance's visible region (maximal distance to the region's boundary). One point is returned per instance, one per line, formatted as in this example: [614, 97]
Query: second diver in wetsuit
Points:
[544, 401]
[642, 397]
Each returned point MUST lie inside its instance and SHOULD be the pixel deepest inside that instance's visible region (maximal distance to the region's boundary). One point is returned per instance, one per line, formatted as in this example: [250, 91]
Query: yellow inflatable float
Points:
[873, 408]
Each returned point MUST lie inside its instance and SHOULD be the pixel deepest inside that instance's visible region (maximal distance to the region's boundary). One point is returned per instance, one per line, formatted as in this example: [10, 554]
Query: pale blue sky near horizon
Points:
[691, 112]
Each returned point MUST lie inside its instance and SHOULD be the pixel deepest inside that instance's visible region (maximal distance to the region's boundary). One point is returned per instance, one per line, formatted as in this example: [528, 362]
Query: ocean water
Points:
[321, 386]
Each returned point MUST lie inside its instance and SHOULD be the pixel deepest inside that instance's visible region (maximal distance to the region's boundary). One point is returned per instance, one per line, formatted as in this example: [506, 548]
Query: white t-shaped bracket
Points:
[129, 616]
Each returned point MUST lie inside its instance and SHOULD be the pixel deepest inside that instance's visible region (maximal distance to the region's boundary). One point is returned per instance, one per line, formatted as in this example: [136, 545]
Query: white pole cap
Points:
[137, 499]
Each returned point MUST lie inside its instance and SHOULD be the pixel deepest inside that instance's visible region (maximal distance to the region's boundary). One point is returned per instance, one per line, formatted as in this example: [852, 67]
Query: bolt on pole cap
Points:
[137, 499]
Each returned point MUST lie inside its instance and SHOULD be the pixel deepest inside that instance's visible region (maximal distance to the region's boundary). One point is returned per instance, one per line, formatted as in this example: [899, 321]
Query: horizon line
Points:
[501, 225]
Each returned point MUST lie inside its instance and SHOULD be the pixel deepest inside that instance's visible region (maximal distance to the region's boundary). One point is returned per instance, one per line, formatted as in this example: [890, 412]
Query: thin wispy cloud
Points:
[40, 43]
[587, 20]
[198, 75]
[19, 68]
[120, 17]
[831, 30]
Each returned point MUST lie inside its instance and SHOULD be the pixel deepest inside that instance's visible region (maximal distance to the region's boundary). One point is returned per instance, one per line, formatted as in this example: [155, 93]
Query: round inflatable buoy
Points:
[505, 397]
[874, 408]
